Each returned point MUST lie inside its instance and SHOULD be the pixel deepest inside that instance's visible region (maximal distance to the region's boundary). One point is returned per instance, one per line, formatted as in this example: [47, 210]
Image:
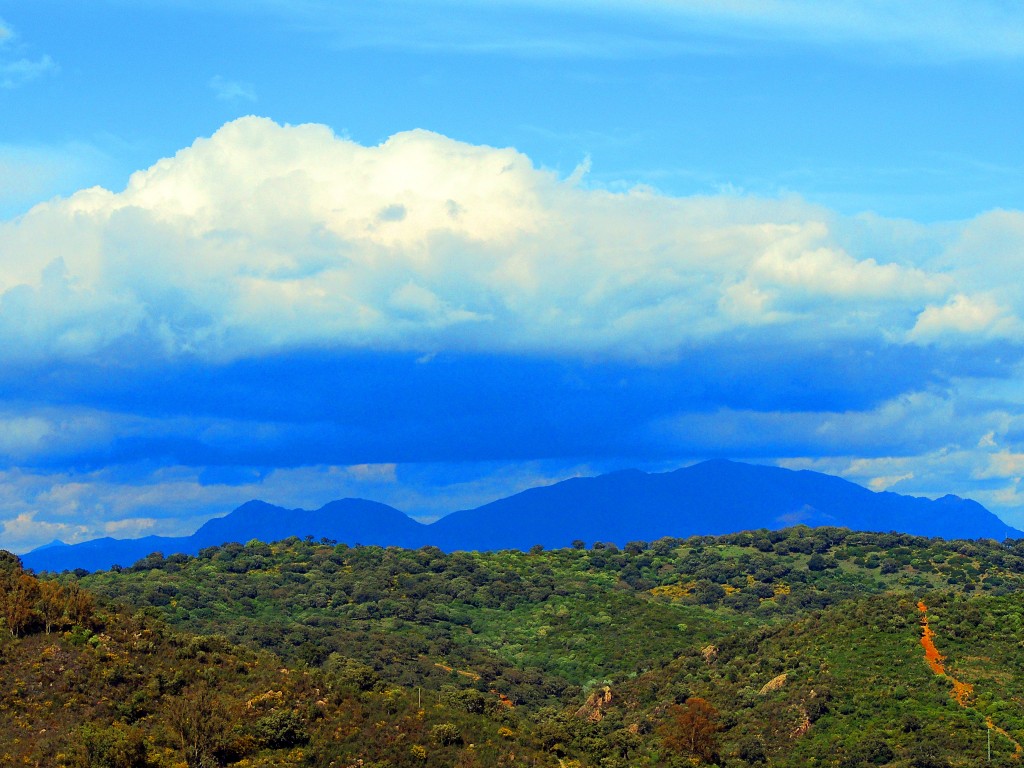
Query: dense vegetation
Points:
[790, 648]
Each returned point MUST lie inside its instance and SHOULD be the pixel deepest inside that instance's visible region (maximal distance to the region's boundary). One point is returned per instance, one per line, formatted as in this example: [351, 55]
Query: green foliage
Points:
[281, 728]
[446, 734]
[804, 645]
[114, 746]
[199, 722]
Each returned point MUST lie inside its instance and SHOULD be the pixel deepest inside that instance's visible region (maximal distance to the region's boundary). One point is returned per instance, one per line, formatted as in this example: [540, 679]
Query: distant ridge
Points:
[351, 520]
[713, 497]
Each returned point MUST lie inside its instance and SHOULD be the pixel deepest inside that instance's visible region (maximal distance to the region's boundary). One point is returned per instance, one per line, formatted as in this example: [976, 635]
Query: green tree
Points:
[79, 605]
[281, 728]
[114, 746]
[198, 719]
[751, 750]
[446, 734]
[52, 604]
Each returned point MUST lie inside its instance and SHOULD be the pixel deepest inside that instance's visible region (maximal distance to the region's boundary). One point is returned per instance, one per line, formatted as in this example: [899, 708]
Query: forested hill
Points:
[84, 684]
[714, 497]
[787, 648]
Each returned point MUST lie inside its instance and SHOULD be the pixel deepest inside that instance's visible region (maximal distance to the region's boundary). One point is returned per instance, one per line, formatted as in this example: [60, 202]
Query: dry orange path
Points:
[931, 653]
[962, 692]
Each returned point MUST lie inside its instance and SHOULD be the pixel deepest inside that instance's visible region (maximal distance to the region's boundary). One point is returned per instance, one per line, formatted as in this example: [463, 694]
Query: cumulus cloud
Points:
[979, 317]
[277, 311]
[267, 237]
[885, 482]
[1004, 463]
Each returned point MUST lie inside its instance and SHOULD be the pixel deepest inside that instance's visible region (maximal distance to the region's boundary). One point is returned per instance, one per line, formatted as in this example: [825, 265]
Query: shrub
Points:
[446, 734]
[281, 728]
[116, 746]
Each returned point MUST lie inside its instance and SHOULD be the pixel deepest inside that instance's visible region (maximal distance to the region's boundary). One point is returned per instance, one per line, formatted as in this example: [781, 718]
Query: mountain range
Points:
[710, 498]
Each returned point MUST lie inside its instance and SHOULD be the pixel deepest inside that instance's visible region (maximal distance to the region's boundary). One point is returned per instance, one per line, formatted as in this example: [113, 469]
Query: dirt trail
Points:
[471, 675]
[962, 692]
[1018, 750]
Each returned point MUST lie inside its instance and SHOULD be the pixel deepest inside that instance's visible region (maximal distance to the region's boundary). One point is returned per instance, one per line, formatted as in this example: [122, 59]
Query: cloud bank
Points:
[278, 298]
[267, 237]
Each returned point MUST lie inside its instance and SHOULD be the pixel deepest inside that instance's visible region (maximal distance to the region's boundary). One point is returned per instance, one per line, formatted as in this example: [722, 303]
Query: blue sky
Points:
[433, 253]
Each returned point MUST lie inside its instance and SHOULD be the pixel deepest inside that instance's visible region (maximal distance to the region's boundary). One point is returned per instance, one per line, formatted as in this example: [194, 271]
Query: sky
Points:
[433, 253]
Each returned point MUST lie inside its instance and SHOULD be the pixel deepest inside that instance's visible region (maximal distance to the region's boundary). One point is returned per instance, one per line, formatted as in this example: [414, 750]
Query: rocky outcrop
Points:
[596, 704]
[773, 685]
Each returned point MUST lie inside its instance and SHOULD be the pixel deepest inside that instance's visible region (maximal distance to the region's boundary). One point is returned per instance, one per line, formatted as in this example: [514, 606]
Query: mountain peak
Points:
[54, 543]
[713, 497]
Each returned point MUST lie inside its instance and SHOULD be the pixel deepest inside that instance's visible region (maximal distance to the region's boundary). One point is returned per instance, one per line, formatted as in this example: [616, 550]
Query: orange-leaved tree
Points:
[692, 729]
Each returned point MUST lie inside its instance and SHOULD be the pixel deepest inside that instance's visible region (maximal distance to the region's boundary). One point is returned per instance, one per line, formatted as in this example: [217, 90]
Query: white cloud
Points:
[28, 434]
[877, 473]
[828, 271]
[14, 74]
[232, 90]
[1004, 463]
[986, 250]
[129, 527]
[928, 30]
[912, 424]
[378, 473]
[885, 482]
[264, 237]
[30, 173]
[36, 507]
[25, 532]
[978, 316]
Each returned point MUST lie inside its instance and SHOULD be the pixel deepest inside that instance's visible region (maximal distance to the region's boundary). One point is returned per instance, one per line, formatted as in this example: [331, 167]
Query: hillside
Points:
[711, 498]
[790, 648]
[87, 685]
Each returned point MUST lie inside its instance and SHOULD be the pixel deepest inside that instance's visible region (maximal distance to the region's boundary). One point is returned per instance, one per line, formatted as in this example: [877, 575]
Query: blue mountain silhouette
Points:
[713, 497]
